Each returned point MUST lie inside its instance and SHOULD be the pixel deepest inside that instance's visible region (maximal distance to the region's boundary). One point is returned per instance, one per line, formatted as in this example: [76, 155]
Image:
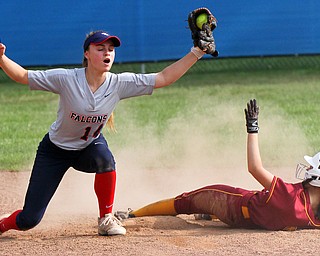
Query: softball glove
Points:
[203, 37]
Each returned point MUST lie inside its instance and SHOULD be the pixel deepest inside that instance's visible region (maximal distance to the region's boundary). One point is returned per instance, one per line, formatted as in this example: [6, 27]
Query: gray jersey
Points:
[81, 113]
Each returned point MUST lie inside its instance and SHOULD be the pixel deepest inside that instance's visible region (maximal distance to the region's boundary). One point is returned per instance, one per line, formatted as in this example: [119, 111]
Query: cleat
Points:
[2, 217]
[122, 215]
[110, 226]
[202, 216]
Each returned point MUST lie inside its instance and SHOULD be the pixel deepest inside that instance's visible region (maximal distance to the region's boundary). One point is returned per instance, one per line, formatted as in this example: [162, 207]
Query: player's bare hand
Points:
[2, 49]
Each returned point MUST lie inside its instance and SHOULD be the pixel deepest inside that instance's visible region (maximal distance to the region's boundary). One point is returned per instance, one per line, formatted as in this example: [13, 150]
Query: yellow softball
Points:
[201, 19]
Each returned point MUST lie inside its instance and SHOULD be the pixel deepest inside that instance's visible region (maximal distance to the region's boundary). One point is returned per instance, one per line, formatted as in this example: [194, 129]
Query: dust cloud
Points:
[205, 150]
[191, 153]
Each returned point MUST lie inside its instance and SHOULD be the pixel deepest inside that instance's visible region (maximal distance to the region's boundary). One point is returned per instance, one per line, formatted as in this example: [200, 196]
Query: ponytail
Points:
[110, 123]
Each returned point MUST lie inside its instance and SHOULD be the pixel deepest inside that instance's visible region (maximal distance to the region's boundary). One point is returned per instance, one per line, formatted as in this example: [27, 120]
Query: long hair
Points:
[85, 61]
[110, 124]
[305, 185]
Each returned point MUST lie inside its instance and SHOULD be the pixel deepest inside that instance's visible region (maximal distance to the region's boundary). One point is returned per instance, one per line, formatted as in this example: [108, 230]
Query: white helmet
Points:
[312, 172]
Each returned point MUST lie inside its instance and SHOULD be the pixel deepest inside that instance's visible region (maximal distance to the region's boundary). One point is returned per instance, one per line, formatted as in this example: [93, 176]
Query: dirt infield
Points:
[70, 228]
[150, 171]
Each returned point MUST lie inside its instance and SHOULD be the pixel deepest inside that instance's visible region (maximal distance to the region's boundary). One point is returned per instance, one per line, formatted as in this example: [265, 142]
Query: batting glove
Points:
[252, 113]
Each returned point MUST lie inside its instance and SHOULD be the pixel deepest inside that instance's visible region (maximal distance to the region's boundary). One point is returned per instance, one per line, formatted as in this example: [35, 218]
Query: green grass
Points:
[210, 93]
[25, 117]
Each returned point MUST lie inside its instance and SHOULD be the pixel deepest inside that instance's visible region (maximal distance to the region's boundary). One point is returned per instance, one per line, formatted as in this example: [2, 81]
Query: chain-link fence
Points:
[231, 64]
[217, 65]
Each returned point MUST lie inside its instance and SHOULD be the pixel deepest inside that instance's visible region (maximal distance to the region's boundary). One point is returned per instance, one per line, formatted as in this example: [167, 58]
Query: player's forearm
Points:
[14, 70]
[255, 166]
[253, 153]
[176, 70]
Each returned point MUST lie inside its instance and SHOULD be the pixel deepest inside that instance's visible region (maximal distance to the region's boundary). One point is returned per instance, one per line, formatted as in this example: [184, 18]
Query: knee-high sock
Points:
[9, 222]
[163, 207]
[104, 187]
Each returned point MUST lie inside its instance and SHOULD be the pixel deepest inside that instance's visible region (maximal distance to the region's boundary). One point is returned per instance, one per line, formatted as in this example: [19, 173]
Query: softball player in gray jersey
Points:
[88, 97]
[83, 113]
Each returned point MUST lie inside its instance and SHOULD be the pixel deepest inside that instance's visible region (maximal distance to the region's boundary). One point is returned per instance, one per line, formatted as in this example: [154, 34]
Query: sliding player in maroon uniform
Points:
[279, 206]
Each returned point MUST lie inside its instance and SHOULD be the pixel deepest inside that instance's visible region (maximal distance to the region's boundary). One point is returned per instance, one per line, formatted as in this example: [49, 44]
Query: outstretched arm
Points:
[255, 166]
[176, 70]
[203, 42]
[12, 69]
